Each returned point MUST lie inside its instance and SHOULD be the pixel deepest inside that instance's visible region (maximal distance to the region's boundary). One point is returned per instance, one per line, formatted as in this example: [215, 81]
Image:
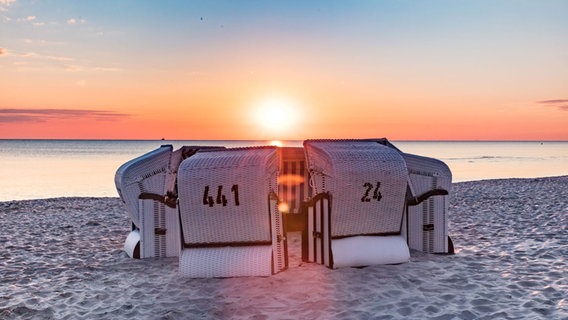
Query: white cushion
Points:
[360, 251]
[223, 262]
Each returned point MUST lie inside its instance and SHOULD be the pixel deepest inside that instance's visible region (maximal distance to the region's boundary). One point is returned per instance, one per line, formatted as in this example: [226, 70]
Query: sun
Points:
[276, 115]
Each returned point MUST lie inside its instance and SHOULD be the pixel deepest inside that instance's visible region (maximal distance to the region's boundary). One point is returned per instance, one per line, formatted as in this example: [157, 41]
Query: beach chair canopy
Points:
[367, 181]
[152, 175]
[145, 174]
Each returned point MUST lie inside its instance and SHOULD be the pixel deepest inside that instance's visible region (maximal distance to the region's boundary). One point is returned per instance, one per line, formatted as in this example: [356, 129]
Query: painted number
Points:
[235, 190]
[220, 198]
[376, 193]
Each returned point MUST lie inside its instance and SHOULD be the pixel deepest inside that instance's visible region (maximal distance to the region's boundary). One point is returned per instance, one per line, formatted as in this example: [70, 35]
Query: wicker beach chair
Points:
[355, 216]
[425, 224]
[147, 186]
[230, 222]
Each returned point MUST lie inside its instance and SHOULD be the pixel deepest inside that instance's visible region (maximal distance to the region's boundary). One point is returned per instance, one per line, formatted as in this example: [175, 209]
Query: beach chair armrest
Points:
[169, 200]
[314, 200]
[421, 198]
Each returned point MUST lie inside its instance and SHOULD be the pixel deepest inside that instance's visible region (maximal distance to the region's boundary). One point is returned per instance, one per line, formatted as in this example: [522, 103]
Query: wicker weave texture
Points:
[367, 182]
[428, 221]
[424, 166]
[226, 262]
[224, 195]
[154, 173]
[369, 250]
[159, 230]
[146, 173]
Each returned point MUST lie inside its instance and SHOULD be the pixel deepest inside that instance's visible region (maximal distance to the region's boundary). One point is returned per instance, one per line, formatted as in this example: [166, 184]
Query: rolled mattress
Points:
[369, 250]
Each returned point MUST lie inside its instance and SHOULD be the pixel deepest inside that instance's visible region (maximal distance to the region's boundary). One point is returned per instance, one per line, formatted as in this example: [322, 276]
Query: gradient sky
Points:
[452, 70]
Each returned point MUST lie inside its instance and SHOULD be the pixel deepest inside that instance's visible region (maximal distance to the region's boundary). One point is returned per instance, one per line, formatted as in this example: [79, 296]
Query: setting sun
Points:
[276, 143]
[276, 115]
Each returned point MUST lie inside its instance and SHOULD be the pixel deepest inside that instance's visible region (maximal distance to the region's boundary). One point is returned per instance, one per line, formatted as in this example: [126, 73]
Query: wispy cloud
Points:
[58, 58]
[27, 19]
[4, 4]
[62, 61]
[560, 104]
[35, 55]
[46, 57]
[79, 68]
[33, 20]
[43, 115]
[554, 101]
[72, 21]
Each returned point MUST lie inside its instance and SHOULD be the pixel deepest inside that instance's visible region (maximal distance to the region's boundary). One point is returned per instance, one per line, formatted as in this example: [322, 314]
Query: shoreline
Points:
[62, 258]
[78, 197]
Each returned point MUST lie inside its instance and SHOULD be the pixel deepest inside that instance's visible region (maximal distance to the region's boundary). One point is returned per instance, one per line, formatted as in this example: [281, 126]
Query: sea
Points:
[39, 169]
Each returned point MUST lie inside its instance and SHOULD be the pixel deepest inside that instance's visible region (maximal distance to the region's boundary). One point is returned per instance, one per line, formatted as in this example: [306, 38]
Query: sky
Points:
[195, 70]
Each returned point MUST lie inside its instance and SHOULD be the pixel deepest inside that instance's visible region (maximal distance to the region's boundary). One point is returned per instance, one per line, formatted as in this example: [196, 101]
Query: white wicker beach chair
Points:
[147, 186]
[355, 217]
[230, 222]
[426, 224]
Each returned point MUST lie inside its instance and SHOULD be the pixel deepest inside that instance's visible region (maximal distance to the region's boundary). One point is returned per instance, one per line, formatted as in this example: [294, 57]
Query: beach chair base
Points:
[353, 251]
[369, 250]
[246, 261]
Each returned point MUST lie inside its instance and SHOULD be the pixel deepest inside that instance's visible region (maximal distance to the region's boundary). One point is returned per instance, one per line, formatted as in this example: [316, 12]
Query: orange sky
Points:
[415, 70]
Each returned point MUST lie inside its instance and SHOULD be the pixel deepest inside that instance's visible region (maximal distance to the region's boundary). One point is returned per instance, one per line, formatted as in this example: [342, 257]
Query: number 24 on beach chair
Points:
[359, 215]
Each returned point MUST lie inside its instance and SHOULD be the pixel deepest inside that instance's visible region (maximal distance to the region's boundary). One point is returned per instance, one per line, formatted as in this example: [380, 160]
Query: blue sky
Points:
[353, 66]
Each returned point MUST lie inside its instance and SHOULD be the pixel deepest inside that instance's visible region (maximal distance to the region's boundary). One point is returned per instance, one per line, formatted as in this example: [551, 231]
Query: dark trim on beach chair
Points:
[423, 197]
[381, 234]
[227, 244]
[317, 233]
[280, 239]
[427, 227]
[169, 200]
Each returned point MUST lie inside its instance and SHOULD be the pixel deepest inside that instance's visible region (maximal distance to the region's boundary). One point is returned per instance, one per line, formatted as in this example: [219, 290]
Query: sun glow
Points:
[276, 143]
[275, 115]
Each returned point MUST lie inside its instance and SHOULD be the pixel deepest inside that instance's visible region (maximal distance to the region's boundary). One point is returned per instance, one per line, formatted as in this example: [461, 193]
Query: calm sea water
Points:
[35, 169]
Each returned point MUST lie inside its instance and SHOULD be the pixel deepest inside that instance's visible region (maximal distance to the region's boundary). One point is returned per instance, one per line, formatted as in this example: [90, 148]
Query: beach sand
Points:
[63, 259]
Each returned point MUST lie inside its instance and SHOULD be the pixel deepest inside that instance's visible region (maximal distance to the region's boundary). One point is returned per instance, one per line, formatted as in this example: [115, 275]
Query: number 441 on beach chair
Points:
[230, 222]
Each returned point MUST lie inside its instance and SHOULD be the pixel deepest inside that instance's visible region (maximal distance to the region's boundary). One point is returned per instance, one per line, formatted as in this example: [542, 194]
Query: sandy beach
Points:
[62, 259]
